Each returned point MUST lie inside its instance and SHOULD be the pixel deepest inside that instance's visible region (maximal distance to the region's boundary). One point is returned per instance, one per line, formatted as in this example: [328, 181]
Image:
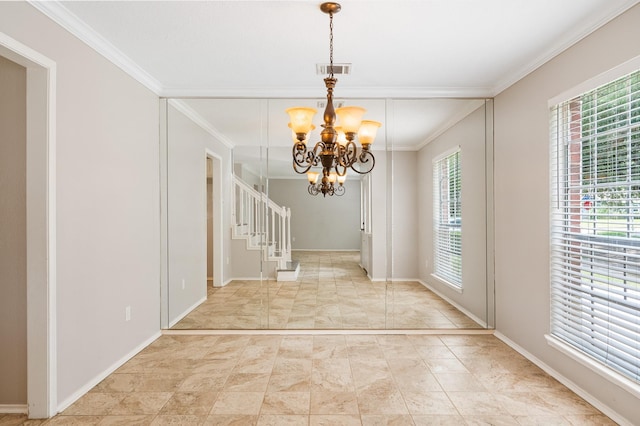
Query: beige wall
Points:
[187, 147]
[522, 199]
[13, 233]
[107, 167]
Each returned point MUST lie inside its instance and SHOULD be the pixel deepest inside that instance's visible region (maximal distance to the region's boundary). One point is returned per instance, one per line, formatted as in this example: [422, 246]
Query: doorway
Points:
[40, 222]
[214, 249]
[210, 218]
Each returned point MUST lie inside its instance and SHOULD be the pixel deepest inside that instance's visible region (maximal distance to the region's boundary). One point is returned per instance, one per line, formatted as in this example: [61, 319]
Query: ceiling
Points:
[401, 52]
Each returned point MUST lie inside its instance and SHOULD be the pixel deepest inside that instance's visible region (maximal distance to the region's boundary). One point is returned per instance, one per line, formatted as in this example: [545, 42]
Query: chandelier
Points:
[336, 151]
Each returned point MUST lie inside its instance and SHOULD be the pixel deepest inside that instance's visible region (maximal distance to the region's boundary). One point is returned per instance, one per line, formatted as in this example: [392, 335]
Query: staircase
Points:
[264, 226]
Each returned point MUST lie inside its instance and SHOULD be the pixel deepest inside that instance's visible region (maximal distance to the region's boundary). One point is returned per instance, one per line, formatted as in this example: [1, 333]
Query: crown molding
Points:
[559, 47]
[70, 22]
[320, 92]
[191, 114]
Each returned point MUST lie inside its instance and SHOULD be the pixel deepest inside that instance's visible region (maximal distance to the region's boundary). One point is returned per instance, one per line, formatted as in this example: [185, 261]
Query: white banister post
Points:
[289, 234]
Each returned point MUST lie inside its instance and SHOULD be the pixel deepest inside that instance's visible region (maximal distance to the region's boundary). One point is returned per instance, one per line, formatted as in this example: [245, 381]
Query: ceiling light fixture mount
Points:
[336, 151]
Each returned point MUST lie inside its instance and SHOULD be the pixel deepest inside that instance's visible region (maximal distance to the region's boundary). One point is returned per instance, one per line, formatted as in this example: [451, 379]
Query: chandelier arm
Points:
[339, 191]
[365, 157]
[313, 189]
[304, 159]
[348, 154]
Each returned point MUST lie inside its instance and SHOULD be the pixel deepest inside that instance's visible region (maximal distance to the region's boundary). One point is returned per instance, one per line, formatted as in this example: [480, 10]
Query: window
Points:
[595, 225]
[447, 224]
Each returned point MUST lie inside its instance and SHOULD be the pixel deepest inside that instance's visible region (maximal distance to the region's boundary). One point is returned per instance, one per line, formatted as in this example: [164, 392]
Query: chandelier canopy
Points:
[336, 151]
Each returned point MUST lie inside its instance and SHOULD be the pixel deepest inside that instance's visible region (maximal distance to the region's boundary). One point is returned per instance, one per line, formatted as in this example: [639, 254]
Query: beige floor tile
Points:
[75, 421]
[95, 404]
[283, 420]
[247, 382]
[438, 420]
[231, 420]
[555, 420]
[477, 404]
[491, 420]
[459, 382]
[289, 383]
[590, 420]
[141, 403]
[178, 419]
[334, 420]
[286, 403]
[135, 420]
[382, 397]
[238, 403]
[190, 403]
[203, 382]
[425, 402]
[324, 402]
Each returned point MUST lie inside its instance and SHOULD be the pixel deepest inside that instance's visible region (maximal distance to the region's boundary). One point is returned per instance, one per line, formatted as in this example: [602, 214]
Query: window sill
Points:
[452, 286]
[595, 366]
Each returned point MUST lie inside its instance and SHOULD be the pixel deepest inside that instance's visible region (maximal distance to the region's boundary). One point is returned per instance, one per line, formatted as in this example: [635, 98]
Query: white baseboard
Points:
[187, 311]
[480, 321]
[14, 409]
[100, 377]
[613, 415]
[326, 250]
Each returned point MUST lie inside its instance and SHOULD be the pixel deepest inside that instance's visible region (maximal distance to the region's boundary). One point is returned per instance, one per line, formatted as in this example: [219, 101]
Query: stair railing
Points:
[263, 222]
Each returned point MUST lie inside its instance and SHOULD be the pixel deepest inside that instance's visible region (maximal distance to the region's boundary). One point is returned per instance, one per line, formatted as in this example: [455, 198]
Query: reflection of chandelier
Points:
[336, 150]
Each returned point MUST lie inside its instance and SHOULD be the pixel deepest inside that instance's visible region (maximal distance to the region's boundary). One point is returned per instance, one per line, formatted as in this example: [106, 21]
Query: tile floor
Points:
[340, 379]
[332, 292]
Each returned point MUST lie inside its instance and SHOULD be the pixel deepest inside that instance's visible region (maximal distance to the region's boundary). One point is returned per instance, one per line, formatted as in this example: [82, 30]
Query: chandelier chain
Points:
[331, 45]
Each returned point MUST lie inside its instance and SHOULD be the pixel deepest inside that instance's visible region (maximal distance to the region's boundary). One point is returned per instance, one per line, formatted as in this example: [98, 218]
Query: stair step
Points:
[289, 273]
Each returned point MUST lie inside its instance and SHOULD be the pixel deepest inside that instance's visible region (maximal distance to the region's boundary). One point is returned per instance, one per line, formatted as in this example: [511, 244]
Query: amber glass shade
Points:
[301, 118]
[342, 179]
[294, 137]
[341, 138]
[313, 177]
[350, 118]
[368, 131]
[332, 177]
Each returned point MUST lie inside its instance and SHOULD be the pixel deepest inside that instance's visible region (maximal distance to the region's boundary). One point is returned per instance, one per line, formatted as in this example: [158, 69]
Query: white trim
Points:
[593, 365]
[323, 332]
[375, 92]
[447, 153]
[13, 409]
[41, 225]
[455, 304]
[191, 114]
[606, 77]
[69, 21]
[103, 375]
[562, 45]
[454, 287]
[612, 414]
[218, 210]
[187, 311]
[326, 250]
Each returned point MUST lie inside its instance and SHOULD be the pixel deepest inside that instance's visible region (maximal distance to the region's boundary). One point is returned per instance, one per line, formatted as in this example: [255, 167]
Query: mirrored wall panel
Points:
[251, 240]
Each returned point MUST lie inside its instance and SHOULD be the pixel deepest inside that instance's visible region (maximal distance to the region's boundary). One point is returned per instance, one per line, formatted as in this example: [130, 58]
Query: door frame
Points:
[217, 211]
[41, 226]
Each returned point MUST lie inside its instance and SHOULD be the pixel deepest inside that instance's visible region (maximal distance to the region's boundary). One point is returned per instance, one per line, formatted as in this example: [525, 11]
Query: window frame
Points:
[572, 206]
[450, 275]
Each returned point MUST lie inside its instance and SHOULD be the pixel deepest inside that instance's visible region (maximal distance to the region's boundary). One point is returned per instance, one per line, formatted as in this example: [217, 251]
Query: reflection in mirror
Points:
[287, 259]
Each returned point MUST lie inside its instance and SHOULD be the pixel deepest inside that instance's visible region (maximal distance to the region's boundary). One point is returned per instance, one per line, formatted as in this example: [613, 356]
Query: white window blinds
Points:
[595, 224]
[447, 224]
